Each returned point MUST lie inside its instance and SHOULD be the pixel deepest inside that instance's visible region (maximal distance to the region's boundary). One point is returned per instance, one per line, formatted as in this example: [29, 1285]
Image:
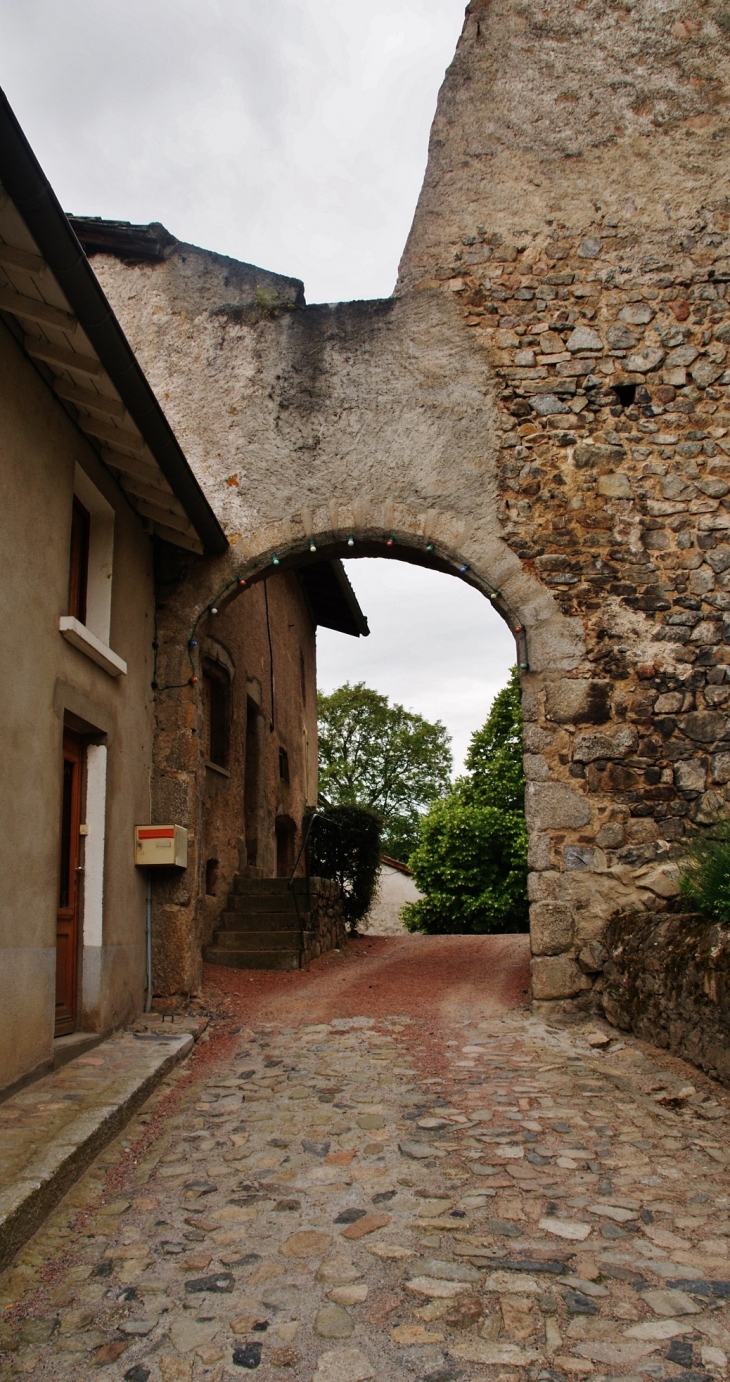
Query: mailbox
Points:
[161, 844]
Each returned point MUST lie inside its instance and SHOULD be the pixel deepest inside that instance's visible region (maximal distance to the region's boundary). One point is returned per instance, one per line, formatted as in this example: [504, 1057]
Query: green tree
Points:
[378, 754]
[471, 862]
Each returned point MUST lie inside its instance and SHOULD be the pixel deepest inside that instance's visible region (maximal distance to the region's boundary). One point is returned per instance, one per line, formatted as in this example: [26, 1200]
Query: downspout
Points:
[148, 1000]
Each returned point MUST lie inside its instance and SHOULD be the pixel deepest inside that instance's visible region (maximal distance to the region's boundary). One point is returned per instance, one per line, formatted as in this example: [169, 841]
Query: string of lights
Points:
[238, 583]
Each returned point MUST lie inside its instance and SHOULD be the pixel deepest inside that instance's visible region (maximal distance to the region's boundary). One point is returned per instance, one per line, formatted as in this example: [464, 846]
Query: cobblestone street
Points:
[434, 1188]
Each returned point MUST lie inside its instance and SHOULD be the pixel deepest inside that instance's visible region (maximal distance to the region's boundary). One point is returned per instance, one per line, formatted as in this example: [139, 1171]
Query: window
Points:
[283, 765]
[78, 579]
[216, 688]
[211, 877]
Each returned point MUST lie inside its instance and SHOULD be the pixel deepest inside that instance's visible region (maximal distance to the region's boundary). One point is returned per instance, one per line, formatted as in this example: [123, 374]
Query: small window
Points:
[217, 713]
[283, 765]
[78, 579]
[211, 877]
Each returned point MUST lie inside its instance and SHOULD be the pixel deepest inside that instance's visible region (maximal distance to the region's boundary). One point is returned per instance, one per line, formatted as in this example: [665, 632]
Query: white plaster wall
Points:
[394, 889]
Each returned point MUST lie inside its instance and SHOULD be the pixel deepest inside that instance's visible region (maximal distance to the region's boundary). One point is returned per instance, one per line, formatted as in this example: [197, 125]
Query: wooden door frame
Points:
[70, 876]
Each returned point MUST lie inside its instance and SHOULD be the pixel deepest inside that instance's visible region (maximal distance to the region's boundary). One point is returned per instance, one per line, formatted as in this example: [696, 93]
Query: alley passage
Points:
[429, 1193]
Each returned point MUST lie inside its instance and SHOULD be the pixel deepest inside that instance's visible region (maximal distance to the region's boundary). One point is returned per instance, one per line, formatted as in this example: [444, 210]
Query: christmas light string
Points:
[239, 583]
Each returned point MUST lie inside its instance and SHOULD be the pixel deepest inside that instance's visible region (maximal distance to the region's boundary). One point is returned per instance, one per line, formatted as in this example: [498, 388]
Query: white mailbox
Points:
[161, 844]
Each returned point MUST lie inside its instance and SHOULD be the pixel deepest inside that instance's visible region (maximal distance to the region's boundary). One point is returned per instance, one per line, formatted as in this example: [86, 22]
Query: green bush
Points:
[705, 873]
[471, 864]
[471, 861]
[344, 844]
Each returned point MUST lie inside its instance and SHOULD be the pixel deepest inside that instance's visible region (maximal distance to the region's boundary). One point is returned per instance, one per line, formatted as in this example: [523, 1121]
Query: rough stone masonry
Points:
[544, 401]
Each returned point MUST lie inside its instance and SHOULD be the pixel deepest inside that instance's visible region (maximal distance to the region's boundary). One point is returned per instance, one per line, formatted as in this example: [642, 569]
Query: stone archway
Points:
[544, 399]
[562, 700]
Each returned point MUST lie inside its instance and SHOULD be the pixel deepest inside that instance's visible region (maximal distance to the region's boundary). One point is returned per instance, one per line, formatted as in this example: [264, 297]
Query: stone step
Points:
[263, 887]
[269, 902]
[262, 921]
[255, 940]
[250, 959]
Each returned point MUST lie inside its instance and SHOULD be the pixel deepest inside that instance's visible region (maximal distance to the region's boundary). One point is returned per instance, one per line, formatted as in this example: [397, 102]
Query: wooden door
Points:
[69, 888]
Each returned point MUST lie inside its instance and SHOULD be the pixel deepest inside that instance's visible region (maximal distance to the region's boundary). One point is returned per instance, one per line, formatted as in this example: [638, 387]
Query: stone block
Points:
[712, 806]
[721, 767]
[704, 726]
[594, 453]
[611, 835]
[538, 852]
[536, 768]
[578, 857]
[578, 702]
[555, 806]
[690, 775]
[643, 361]
[551, 928]
[592, 957]
[616, 742]
[557, 976]
[669, 704]
[583, 338]
[663, 881]
[535, 739]
[616, 486]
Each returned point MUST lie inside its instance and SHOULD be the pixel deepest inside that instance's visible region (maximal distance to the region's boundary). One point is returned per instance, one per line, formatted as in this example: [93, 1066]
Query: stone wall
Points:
[326, 929]
[542, 409]
[231, 813]
[667, 978]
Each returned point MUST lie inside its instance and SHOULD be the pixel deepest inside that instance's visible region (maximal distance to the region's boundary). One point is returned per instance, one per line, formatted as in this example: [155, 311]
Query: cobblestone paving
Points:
[376, 1199]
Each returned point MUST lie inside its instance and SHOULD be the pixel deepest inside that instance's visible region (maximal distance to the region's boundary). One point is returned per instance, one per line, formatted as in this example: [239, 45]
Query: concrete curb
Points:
[29, 1198]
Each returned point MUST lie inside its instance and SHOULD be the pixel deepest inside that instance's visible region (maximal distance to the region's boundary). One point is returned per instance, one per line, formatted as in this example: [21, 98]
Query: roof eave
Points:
[27, 185]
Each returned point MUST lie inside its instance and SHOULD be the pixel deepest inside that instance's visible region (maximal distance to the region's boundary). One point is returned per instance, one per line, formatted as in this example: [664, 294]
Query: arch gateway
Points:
[542, 407]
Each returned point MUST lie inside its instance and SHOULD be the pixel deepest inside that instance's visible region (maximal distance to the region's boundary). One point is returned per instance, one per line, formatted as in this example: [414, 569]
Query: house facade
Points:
[91, 478]
[101, 518]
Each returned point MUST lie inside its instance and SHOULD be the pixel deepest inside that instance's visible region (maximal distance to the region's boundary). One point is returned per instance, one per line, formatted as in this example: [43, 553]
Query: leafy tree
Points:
[494, 761]
[471, 862]
[378, 754]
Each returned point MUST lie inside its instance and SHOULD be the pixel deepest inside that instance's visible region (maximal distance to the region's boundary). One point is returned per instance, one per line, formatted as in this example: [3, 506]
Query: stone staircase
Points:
[261, 927]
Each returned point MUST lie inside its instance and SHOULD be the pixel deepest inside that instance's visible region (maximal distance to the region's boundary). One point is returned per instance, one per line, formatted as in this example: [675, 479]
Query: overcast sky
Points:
[436, 645]
[291, 134]
[288, 133]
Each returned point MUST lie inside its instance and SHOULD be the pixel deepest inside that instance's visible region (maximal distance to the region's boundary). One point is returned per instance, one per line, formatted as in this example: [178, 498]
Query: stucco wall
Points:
[43, 678]
[394, 889]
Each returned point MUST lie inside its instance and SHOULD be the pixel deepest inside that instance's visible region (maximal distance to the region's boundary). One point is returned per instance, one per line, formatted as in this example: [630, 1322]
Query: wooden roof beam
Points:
[53, 354]
[106, 431]
[36, 311]
[87, 398]
[22, 259]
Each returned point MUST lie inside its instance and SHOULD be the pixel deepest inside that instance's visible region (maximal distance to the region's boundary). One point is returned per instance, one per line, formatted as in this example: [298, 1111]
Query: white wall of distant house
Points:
[395, 888]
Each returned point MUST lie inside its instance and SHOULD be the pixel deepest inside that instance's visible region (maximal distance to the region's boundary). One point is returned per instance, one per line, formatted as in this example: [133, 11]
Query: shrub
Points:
[471, 864]
[705, 873]
[471, 860]
[344, 844]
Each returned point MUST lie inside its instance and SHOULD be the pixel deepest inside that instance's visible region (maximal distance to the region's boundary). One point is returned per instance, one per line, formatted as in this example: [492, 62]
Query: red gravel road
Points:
[452, 978]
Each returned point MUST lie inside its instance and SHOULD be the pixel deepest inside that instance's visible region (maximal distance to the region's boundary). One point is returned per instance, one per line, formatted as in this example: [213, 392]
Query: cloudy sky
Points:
[292, 134]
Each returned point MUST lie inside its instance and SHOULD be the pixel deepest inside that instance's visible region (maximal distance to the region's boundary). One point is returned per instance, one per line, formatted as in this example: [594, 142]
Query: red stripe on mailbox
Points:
[160, 832]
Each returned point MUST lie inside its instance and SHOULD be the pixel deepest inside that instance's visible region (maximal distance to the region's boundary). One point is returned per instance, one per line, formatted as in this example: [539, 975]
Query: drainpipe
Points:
[148, 1001]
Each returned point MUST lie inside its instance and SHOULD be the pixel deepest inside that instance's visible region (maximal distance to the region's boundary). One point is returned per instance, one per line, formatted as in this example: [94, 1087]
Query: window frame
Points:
[78, 569]
[215, 676]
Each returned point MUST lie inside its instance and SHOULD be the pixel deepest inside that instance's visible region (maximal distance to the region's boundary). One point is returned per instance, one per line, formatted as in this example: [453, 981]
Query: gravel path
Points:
[386, 1168]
